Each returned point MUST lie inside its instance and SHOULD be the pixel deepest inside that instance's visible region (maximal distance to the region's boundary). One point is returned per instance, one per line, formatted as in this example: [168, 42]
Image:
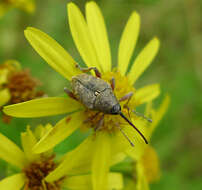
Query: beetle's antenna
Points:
[125, 136]
[142, 115]
[124, 117]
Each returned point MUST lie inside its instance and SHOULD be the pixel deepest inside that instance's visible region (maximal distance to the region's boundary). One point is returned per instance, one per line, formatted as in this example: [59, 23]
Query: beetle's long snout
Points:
[125, 118]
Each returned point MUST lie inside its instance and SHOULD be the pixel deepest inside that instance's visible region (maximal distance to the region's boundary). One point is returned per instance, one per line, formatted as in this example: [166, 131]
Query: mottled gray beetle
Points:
[96, 94]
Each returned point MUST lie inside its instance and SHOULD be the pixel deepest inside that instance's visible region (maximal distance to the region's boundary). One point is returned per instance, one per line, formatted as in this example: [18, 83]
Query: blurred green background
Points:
[177, 67]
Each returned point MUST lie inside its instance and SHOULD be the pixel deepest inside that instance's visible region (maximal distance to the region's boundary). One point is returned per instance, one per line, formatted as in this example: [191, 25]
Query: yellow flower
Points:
[90, 37]
[147, 168]
[26, 5]
[6, 69]
[35, 167]
[16, 85]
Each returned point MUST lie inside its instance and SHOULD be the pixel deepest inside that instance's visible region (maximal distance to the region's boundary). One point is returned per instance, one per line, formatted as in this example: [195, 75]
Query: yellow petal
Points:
[82, 161]
[98, 35]
[10, 152]
[52, 52]
[146, 94]
[81, 36]
[143, 60]
[115, 181]
[3, 76]
[4, 96]
[75, 162]
[117, 158]
[129, 184]
[139, 144]
[128, 42]
[57, 134]
[12, 65]
[14, 182]
[78, 182]
[160, 112]
[41, 130]
[84, 182]
[150, 163]
[142, 183]
[148, 109]
[119, 143]
[42, 107]
[100, 162]
[28, 141]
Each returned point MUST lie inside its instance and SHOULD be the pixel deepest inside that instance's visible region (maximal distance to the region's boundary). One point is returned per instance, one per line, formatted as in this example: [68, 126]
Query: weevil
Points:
[96, 94]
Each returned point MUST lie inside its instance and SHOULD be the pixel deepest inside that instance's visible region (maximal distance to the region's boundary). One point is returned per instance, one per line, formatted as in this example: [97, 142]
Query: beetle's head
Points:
[116, 109]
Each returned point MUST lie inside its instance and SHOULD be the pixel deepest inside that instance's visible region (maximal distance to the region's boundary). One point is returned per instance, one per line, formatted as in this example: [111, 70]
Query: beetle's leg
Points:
[70, 93]
[85, 70]
[142, 115]
[112, 82]
[126, 97]
[100, 123]
[91, 118]
[125, 135]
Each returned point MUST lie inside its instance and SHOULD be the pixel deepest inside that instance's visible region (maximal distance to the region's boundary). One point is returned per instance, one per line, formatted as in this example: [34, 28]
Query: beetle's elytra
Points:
[96, 94]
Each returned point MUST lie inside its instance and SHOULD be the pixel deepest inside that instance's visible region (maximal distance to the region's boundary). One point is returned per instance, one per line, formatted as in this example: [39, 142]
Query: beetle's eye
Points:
[97, 93]
[116, 109]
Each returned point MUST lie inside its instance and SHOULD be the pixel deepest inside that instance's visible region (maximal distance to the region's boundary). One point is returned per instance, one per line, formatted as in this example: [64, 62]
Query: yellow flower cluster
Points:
[16, 85]
[6, 69]
[34, 168]
[105, 147]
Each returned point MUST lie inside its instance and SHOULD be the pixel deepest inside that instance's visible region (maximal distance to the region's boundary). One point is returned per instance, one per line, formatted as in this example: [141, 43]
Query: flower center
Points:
[37, 171]
[22, 87]
[20, 84]
[108, 122]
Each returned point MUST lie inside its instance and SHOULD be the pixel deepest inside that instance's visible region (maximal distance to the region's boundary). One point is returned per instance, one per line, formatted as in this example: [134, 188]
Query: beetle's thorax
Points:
[95, 93]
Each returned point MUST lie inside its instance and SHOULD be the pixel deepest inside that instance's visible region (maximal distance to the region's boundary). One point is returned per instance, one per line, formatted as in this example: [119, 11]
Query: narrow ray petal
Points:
[115, 181]
[117, 158]
[28, 141]
[10, 152]
[98, 35]
[84, 182]
[78, 182]
[147, 93]
[139, 144]
[42, 107]
[81, 36]
[55, 55]
[119, 143]
[57, 134]
[128, 42]
[142, 183]
[160, 112]
[143, 60]
[3, 76]
[100, 162]
[14, 182]
[82, 160]
[76, 162]
[4, 96]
